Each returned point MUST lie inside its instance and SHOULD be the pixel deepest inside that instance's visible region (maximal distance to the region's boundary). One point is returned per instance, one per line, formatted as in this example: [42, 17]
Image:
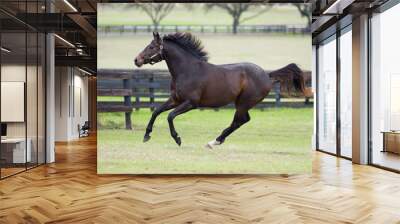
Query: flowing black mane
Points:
[188, 42]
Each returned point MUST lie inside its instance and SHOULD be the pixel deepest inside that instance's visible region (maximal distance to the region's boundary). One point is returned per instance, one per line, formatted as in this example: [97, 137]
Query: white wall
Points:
[62, 82]
[12, 73]
[33, 125]
[71, 102]
[17, 73]
[80, 109]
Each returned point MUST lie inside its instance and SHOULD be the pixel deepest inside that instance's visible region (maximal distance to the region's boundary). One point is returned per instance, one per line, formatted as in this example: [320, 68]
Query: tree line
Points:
[237, 11]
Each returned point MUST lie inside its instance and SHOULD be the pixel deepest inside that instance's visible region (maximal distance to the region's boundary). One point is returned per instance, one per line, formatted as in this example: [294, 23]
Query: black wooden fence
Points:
[126, 90]
[126, 29]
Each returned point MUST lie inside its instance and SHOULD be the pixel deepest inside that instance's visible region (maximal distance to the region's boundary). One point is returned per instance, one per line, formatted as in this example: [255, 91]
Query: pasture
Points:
[270, 51]
[276, 140]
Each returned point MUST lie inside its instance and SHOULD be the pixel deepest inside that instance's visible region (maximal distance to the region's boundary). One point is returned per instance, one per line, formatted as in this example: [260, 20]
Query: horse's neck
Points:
[177, 60]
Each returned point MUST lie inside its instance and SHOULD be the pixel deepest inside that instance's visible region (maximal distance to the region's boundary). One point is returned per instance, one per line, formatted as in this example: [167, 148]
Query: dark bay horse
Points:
[197, 83]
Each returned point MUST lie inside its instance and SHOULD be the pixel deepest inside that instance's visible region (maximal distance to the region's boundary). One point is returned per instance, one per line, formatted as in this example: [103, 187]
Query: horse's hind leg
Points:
[246, 100]
[169, 104]
[241, 117]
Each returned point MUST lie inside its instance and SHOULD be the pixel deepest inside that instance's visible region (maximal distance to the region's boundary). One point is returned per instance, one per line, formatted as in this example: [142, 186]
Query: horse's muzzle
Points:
[138, 63]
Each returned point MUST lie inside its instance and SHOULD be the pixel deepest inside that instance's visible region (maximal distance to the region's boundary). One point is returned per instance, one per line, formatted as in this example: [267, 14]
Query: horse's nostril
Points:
[137, 63]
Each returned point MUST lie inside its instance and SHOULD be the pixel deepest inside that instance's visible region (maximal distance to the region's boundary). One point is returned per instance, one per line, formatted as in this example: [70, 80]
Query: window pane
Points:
[41, 98]
[31, 97]
[13, 85]
[385, 92]
[346, 94]
[327, 97]
[22, 88]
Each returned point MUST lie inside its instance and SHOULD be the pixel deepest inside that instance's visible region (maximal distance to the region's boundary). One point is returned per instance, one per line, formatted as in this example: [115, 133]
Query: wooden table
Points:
[391, 141]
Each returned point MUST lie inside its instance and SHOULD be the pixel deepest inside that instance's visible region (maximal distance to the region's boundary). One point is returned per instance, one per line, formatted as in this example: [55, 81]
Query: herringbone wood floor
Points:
[69, 191]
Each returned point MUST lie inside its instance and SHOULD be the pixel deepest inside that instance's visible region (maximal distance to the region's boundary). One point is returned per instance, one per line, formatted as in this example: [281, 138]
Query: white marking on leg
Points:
[213, 143]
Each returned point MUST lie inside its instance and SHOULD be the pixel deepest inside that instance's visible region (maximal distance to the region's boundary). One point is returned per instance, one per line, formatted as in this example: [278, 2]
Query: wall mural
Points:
[194, 89]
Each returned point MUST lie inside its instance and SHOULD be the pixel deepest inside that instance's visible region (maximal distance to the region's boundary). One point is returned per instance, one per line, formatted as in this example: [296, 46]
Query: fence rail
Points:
[149, 88]
[127, 29]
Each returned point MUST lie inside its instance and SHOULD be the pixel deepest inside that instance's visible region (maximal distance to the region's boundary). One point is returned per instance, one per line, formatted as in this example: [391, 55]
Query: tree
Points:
[156, 11]
[305, 11]
[237, 10]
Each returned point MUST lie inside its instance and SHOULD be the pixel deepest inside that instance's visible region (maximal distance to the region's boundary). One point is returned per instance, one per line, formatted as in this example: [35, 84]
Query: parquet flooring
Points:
[70, 191]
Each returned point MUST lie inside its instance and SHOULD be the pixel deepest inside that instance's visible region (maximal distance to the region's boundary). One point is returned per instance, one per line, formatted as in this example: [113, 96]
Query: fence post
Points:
[277, 90]
[127, 102]
[151, 90]
[136, 91]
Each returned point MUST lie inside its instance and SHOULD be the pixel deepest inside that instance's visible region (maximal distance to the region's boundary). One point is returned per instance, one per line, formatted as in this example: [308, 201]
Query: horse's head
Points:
[152, 53]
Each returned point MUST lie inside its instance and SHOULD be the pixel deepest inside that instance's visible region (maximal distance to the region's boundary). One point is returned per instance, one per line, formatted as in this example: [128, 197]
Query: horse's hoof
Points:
[178, 141]
[146, 138]
[211, 144]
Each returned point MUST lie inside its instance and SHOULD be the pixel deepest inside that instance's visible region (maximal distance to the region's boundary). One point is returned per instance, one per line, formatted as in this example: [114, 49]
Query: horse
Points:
[196, 83]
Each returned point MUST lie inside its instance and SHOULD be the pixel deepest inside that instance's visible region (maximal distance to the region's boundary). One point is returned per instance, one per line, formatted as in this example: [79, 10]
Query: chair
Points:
[84, 130]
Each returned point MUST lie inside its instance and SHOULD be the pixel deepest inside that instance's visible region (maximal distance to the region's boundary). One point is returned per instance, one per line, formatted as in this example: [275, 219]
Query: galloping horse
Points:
[197, 83]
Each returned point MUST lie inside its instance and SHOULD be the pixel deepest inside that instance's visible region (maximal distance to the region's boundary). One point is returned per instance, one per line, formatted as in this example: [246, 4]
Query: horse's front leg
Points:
[169, 104]
[182, 108]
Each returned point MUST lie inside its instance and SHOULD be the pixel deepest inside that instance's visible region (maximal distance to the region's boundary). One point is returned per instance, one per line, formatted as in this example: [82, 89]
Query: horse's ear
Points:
[156, 36]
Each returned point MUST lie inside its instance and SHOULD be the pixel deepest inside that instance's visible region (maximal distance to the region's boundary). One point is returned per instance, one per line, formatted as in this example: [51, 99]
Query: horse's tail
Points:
[290, 75]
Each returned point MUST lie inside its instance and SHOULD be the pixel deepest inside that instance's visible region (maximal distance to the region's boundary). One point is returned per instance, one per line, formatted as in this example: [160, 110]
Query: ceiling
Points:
[74, 22]
[328, 13]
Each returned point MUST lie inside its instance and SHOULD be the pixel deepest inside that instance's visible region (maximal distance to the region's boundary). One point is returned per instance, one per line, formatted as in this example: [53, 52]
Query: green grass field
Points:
[274, 141]
[268, 51]
[119, 14]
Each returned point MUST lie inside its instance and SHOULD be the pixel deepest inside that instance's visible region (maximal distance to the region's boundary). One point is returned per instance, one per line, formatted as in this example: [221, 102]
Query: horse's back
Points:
[248, 68]
[252, 73]
[255, 83]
